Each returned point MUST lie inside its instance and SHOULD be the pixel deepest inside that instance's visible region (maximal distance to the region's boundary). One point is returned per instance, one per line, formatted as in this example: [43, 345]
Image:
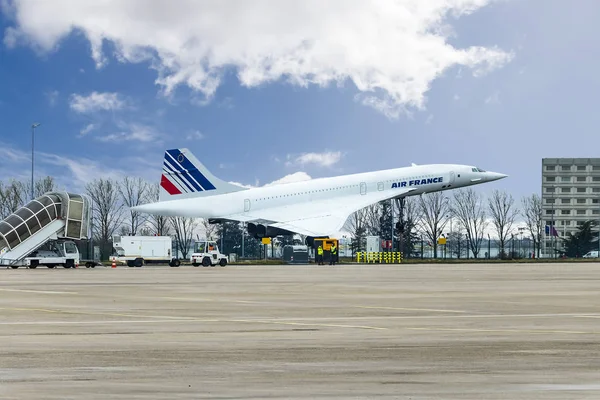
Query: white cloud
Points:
[391, 51]
[8, 154]
[97, 102]
[325, 159]
[52, 97]
[72, 172]
[87, 129]
[295, 177]
[493, 99]
[132, 132]
[195, 135]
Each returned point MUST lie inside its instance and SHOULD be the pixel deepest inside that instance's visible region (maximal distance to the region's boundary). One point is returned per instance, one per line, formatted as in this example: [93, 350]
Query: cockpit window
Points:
[474, 169]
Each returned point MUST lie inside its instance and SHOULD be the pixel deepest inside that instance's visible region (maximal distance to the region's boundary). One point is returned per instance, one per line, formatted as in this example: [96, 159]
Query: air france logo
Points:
[418, 182]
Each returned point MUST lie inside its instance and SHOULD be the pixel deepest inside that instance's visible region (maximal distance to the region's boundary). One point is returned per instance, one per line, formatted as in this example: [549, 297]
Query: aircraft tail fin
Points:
[184, 176]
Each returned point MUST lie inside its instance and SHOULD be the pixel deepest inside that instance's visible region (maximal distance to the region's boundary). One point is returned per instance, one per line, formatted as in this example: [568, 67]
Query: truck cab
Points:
[591, 254]
[206, 252]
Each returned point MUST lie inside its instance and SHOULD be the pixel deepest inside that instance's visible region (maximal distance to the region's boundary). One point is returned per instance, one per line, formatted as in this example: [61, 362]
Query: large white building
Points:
[570, 196]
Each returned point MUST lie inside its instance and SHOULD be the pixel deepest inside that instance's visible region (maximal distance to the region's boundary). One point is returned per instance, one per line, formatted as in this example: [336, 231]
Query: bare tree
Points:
[408, 215]
[210, 230]
[184, 233]
[372, 214]
[357, 225]
[134, 192]
[532, 211]
[11, 197]
[108, 213]
[503, 213]
[468, 208]
[159, 223]
[146, 231]
[40, 187]
[434, 209]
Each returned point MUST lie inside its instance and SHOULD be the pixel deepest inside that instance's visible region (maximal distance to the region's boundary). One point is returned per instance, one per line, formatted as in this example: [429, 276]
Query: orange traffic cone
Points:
[114, 264]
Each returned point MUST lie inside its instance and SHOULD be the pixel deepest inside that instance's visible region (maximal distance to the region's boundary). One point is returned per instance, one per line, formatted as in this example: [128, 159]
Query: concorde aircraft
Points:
[316, 208]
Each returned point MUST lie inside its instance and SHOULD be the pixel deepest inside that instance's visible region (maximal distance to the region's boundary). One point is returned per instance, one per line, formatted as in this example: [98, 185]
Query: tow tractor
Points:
[206, 252]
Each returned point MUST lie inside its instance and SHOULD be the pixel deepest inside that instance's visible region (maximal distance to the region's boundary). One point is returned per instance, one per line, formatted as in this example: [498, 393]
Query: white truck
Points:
[135, 251]
[206, 253]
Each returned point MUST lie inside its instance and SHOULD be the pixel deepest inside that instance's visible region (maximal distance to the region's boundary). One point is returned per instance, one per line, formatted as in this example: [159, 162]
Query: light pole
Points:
[33, 126]
[521, 229]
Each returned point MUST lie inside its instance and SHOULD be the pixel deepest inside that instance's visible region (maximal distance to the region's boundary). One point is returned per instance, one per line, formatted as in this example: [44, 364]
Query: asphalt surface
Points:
[299, 332]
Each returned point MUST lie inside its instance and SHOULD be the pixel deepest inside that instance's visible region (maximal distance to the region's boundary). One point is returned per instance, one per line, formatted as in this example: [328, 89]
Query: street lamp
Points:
[33, 126]
[521, 229]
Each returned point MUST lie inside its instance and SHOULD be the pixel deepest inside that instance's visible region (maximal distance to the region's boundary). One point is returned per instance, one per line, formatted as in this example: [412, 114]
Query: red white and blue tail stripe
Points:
[184, 176]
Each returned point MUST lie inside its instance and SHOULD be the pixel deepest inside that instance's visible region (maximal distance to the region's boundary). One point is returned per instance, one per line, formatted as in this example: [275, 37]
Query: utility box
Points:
[373, 244]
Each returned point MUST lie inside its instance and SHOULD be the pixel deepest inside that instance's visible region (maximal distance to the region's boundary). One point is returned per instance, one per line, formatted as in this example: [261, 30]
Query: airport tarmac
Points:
[511, 331]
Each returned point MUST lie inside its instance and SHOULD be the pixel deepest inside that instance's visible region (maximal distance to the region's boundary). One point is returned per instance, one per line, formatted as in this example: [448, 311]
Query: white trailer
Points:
[136, 251]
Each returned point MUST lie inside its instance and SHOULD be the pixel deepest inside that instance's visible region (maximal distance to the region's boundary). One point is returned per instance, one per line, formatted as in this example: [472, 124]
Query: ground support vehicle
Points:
[135, 251]
[206, 253]
[44, 231]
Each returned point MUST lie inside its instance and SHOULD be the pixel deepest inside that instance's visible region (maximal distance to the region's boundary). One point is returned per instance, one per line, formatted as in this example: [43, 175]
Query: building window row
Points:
[568, 201]
[568, 190]
[570, 167]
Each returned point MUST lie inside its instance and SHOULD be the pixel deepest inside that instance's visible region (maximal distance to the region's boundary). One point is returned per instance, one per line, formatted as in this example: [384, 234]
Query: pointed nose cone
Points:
[494, 176]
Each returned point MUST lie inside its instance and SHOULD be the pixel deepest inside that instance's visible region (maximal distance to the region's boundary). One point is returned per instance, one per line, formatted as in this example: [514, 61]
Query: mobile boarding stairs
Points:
[52, 216]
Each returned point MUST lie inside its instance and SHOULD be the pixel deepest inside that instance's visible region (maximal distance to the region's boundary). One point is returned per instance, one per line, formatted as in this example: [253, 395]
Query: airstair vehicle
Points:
[43, 232]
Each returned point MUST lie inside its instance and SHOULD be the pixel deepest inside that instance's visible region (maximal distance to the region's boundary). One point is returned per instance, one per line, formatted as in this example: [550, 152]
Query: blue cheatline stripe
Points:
[174, 179]
[181, 172]
[192, 179]
[174, 164]
[193, 170]
[176, 175]
[179, 178]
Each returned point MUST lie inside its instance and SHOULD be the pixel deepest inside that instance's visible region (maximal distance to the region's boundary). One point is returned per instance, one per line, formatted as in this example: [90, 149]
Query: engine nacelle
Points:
[260, 231]
[251, 228]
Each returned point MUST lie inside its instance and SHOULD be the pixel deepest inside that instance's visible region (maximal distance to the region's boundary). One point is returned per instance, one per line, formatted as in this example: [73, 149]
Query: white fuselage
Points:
[423, 178]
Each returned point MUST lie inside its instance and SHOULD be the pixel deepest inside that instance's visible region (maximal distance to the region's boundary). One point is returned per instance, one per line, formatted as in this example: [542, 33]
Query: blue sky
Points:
[109, 114]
